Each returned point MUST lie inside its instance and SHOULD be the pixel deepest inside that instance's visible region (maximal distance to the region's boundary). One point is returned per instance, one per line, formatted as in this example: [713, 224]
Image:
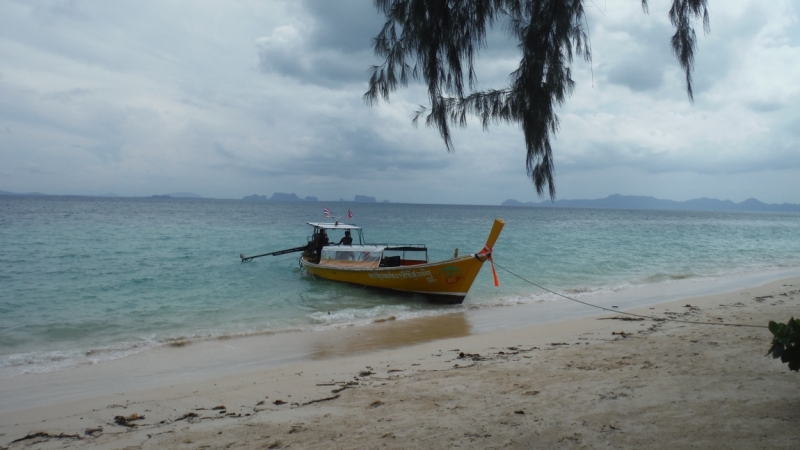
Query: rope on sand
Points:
[657, 319]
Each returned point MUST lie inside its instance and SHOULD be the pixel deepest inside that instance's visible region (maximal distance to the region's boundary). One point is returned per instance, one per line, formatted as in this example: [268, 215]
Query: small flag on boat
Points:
[349, 214]
[327, 212]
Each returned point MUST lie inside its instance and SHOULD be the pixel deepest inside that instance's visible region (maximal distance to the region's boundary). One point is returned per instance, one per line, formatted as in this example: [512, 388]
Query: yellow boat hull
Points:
[445, 281]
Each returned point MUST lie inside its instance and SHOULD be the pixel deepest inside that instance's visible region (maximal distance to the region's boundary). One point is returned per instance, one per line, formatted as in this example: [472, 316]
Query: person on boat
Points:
[347, 239]
[324, 238]
[319, 241]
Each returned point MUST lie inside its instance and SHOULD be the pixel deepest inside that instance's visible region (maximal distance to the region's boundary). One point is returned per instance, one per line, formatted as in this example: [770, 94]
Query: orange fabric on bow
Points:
[487, 251]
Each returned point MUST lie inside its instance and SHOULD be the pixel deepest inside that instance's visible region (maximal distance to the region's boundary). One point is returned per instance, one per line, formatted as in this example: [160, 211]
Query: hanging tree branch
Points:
[437, 40]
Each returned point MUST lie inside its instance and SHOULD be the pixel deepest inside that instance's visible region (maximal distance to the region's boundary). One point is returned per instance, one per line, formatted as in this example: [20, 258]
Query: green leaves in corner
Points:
[786, 342]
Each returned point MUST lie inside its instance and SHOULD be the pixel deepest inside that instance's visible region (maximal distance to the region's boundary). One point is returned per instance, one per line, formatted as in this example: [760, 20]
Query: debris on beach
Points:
[297, 428]
[320, 400]
[375, 404]
[126, 421]
[348, 385]
[279, 402]
[472, 356]
[519, 411]
[92, 431]
[188, 415]
[366, 373]
[46, 435]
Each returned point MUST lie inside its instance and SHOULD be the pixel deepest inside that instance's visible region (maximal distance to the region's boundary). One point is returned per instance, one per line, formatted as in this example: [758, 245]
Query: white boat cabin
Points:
[332, 250]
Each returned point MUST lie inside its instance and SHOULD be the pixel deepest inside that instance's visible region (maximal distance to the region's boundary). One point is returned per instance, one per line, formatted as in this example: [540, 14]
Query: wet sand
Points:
[440, 382]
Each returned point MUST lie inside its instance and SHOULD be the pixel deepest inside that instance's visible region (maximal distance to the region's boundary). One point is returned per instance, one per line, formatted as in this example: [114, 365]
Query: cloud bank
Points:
[230, 99]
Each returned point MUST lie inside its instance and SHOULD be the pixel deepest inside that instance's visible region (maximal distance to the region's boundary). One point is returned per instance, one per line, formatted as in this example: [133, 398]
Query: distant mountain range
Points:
[617, 201]
[184, 195]
[110, 194]
[26, 193]
[284, 197]
[278, 197]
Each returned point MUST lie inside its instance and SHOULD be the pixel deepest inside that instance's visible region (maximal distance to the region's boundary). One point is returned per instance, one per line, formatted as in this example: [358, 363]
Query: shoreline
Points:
[539, 307]
[217, 357]
[404, 371]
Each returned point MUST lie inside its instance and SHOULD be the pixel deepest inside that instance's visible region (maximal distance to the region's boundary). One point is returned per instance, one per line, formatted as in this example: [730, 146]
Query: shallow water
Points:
[90, 279]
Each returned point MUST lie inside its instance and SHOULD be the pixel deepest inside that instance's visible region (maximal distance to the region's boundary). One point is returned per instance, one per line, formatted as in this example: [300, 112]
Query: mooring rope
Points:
[657, 319]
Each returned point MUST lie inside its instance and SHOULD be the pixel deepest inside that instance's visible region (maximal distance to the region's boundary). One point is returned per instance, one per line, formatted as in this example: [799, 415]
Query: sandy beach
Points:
[434, 383]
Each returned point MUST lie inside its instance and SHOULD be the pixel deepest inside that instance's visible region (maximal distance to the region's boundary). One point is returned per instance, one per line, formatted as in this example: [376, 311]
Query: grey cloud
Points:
[643, 62]
[171, 91]
[757, 156]
[332, 49]
[67, 96]
[58, 9]
[329, 69]
[221, 151]
[349, 154]
[637, 75]
[758, 106]
[344, 25]
[716, 55]
[107, 152]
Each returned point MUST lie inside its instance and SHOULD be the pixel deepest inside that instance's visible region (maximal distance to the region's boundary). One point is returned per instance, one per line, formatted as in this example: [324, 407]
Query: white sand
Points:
[660, 385]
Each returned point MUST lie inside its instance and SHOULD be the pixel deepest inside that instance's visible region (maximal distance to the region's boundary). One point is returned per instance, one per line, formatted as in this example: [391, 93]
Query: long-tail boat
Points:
[398, 267]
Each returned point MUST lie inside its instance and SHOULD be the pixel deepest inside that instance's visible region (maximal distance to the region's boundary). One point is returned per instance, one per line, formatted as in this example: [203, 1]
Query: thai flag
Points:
[327, 212]
[349, 214]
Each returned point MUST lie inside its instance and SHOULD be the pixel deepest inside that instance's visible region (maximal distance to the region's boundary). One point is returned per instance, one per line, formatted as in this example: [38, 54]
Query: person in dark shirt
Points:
[324, 238]
[346, 240]
[319, 240]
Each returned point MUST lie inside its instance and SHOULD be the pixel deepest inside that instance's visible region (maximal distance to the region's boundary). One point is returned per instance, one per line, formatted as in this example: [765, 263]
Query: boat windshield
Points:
[361, 256]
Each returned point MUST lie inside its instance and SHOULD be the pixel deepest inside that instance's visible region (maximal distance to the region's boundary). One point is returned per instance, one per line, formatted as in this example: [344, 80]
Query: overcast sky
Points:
[232, 98]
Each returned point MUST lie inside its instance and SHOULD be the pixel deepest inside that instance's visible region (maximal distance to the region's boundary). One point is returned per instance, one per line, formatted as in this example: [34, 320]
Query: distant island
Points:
[284, 197]
[279, 197]
[26, 193]
[276, 197]
[617, 201]
[365, 199]
[176, 195]
[183, 195]
[110, 194]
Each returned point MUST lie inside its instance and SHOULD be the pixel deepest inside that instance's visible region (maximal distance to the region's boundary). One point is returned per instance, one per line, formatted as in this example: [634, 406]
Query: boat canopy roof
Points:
[354, 248]
[334, 226]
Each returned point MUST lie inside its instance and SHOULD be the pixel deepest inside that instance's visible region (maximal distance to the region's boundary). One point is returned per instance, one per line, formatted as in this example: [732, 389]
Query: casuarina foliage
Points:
[437, 41]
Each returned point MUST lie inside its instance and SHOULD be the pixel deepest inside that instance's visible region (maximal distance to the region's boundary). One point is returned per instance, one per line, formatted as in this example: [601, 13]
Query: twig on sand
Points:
[348, 385]
[187, 416]
[321, 400]
[44, 434]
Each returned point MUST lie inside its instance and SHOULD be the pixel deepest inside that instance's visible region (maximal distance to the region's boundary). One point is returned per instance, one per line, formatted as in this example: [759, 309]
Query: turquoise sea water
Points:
[84, 280]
